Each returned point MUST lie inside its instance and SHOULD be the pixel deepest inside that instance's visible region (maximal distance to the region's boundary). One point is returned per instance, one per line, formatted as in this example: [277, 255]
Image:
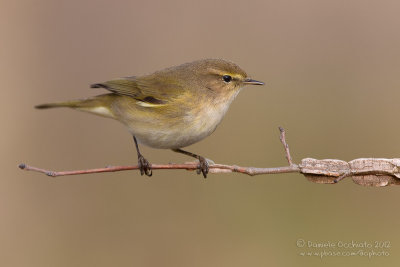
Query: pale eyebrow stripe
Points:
[219, 73]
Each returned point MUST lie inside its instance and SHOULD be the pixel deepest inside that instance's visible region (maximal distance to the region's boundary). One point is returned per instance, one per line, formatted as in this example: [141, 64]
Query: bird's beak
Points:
[253, 82]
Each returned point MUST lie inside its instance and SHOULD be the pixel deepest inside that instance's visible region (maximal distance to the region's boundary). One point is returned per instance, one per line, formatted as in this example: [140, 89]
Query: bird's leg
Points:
[203, 163]
[144, 165]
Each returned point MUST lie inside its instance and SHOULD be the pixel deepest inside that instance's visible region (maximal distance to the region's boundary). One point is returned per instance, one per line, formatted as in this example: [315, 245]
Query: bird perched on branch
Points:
[172, 108]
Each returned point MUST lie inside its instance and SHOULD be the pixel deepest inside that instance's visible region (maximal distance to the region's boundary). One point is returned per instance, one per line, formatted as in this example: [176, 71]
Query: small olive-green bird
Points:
[172, 108]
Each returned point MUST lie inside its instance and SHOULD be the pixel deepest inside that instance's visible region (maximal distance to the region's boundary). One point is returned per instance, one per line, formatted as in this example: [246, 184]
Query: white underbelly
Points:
[191, 129]
[175, 136]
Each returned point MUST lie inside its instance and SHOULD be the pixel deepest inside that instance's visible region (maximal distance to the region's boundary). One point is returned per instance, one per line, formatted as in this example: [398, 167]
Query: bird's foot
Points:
[203, 166]
[144, 166]
[209, 161]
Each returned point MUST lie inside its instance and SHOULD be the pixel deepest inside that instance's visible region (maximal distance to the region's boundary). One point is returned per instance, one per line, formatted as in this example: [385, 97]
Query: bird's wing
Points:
[148, 89]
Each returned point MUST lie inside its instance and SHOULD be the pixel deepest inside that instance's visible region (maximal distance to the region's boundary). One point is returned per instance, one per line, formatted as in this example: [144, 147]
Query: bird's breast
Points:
[204, 120]
[191, 124]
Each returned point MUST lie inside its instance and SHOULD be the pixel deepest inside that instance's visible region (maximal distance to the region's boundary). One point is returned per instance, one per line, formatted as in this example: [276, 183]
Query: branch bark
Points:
[363, 171]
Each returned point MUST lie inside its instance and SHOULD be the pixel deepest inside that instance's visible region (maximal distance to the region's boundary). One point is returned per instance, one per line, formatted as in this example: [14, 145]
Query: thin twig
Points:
[282, 137]
[214, 168]
[341, 177]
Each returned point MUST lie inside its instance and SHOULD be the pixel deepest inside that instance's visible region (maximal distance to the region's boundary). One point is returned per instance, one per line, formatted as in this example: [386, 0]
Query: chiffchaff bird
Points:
[171, 108]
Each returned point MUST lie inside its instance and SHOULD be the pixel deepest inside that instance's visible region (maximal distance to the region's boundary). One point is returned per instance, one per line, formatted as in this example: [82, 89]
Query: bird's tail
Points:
[68, 104]
[99, 105]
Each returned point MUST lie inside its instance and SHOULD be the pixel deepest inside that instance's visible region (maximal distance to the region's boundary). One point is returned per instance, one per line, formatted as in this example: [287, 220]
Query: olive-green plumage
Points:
[171, 108]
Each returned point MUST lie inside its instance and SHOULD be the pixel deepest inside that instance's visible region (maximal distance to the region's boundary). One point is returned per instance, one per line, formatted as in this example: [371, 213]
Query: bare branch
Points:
[363, 171]
[215, 168]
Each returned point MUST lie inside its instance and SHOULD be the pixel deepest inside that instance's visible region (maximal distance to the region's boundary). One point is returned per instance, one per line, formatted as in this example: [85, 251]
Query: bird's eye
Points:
[227, 78]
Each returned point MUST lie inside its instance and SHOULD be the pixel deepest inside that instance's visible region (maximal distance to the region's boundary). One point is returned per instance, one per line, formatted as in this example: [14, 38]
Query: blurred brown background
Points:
[332, 74]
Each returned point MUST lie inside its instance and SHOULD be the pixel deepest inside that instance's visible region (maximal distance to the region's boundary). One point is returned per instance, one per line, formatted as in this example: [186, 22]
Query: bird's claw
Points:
[203, 167]
[144, 166]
